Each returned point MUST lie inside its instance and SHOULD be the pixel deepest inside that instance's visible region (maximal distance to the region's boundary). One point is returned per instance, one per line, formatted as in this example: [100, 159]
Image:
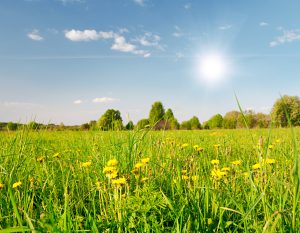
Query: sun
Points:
[212, 68]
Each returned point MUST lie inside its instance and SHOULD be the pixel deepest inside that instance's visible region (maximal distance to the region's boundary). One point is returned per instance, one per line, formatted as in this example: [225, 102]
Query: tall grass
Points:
[178, 190]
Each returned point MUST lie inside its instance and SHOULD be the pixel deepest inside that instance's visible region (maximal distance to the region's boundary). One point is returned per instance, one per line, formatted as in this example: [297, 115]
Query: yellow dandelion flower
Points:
[195, 178]
[225, 169]
[1, 186]
[200, 149]
[184, 177]
[119, 181]
[195, 147]
[218, 174]
[145, 160]
[270, 161]
[236, 162]
[17, 184]
[215, 162]
[217, 146]
[183, 171]
[86, 164]
[113, 175]
[256, 166]
[184, 145]
[138, 165]
[40, 158]
[270, 147]
[108, 170]
[98, 184]
[246, 174]
[112, 163]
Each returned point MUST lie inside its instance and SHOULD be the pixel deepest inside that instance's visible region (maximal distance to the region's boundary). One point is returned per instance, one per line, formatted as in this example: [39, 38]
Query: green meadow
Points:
[150, 181]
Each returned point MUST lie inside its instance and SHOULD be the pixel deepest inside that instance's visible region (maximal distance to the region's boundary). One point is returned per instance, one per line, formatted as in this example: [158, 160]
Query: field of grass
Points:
[185, 181]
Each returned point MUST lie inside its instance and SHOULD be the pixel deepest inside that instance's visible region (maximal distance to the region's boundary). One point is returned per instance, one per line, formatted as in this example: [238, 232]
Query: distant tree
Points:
[61, 126]
[12, 126]
[195, 123]
[111, 120]
[32, 125]
[230, 120]
[143, 123]
[85, 126]
[248, 118]
[156, 114]
[262, 120]
[129, 126]
[214, 122]
[170, 120]
[93, 125]
[186, 125]
[284, 108]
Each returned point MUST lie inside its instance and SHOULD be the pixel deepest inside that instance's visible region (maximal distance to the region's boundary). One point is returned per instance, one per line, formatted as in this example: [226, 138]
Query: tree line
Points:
[285, 111]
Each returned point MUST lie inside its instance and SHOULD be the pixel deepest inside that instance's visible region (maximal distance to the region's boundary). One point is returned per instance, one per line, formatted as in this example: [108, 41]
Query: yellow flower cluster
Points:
[139, 165]
[215, 162]
[111, 170]
[17, 184]
[1, 186]
[263, 162]
[217, 174]
[236, 162]
[86, 164]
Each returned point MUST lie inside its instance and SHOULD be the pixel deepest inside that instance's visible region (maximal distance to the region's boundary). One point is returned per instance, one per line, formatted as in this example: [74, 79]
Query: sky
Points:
[71, 60]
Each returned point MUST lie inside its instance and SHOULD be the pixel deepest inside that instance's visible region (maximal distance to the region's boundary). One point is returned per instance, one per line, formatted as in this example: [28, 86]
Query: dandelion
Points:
[112, 162]
[109, 170]
[200, 149]
[138, 165]
[98, 185]
[184, 177]
[217, 146]
[270, 161]
[17, 184]
[184, 145]
[195, 178]
[256, 166]
[119, 181]
[1, 186]
[278, 141]
[225, 169]
[218, 174]
[57, 155]
[145, 160]
[183, 172]
[195, 147]
[144, 179]
[215, 162]
[209, 221]
[236, 162]
[86, 164]
[246, 174]
[270, 147]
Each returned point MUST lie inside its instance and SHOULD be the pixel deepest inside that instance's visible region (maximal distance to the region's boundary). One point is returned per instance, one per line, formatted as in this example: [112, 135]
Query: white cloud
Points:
[149, 40]
[225, 27]
[34, 35]
[140, 2]
[287, 37]
[178, 32]
[88, 35]
[105, 100]
[187, 6]
[78, 102]
[263, 24]
[71, 1]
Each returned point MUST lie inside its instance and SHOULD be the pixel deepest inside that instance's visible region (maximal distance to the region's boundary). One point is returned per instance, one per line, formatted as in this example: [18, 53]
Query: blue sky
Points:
[70, 60]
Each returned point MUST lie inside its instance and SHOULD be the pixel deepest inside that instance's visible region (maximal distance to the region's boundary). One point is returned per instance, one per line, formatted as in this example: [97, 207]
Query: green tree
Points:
[156, 114]
[262, 120]
[186, 125]
[170, 121]
[85, 126]
[143, 123]
[214, 122]
[249, 117]
[33, 125]
[195, 123]
[111, 120]
[129, 126]
[12, 126]
[93, 125]
[230, 120]
[287, 107]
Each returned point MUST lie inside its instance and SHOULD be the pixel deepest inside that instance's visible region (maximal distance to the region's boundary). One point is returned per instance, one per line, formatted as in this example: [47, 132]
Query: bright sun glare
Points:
[212, 68]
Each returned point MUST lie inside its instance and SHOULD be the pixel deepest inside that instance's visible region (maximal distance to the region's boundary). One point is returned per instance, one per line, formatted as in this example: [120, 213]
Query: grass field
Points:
[176, 181]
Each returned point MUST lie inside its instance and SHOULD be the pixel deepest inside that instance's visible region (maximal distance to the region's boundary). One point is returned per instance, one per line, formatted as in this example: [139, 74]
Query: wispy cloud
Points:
[288, 36]
[71, 1]
[187, 6]
[105, 100]
[88, 35]
[263, 24]
[17, 104]
[35, 35]
[78, 102]
[140, 2]
[150, 40]
[225, 27]
[178, 32]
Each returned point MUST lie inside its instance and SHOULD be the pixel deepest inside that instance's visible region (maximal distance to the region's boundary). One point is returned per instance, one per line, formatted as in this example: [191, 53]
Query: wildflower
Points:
[40, 159]
[270, 147]
[112, 162]
[138, 165]
[98, 184]
[114, 174]
[256, 166]
[1, 186]
[270, 161]
[236, 162]
[86, 164]
[217, 146]
[145, 160]
[109, 170]
[200, 149]
[215, 162]
[209, 221]
[195, 147]
[183, 172]
[57, 155]
[278, 141]
[17, 184]
[225, 169]
[195, 178]
[246, 174]
[184, 145]
[217, 174]
[184, 177]
[119, 181]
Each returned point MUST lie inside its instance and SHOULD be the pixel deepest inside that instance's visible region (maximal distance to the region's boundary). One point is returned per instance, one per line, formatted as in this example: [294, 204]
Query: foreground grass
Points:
[201, 181]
